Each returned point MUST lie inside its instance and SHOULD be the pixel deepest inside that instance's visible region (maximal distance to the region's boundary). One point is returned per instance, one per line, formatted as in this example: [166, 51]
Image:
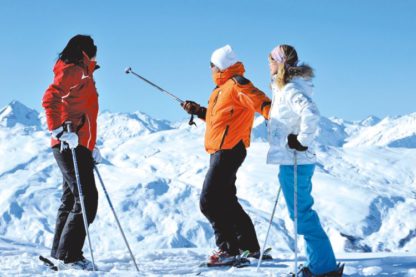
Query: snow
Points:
[364, 188]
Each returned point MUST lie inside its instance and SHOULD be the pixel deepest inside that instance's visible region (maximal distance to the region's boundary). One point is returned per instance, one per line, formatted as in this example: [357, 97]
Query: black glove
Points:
[191, 107]
[292, 141]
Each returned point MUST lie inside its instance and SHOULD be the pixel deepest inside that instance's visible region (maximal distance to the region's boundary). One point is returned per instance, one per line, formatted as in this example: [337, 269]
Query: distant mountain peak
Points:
[122, 126]
[370, 121]
[17, 113]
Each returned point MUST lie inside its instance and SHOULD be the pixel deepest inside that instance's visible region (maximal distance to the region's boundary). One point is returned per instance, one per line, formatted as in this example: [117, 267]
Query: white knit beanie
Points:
[224, 57]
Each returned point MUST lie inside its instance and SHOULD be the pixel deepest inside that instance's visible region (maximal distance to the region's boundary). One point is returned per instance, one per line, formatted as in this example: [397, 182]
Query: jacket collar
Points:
[302, 84]
[221, 77]
[89, 64]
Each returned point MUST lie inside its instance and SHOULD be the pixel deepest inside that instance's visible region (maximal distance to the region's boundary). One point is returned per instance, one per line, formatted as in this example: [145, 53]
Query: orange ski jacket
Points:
[230, 113]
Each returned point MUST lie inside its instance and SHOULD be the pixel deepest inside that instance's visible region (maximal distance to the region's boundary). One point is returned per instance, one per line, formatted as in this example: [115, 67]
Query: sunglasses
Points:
[211, 65]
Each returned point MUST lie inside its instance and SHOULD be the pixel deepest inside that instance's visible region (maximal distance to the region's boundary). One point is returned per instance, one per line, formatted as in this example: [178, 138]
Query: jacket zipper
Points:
[223, 137]
[215, 102]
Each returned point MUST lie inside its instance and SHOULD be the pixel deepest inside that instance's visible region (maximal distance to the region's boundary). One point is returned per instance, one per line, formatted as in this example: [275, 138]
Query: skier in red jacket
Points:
[73, 97]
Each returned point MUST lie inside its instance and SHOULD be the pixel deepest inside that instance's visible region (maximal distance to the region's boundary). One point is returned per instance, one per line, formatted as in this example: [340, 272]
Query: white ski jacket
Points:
[292, 112]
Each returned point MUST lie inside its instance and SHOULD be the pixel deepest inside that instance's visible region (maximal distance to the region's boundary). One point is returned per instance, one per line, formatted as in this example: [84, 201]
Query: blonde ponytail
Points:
[288, 68]
[281, 79]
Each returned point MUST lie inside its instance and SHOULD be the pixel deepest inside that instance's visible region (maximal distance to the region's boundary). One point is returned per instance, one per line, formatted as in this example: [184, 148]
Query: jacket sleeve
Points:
[56, 112]
[202, 114]
[251, 97]
[309, 117]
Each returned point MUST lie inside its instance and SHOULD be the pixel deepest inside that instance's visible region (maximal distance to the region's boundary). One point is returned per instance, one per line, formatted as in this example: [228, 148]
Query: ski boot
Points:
[266, 255]
[82, 264]
[305, 272]
[223, 258]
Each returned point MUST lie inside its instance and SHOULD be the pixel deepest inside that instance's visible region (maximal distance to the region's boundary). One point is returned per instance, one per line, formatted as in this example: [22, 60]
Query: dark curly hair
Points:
[72, 52]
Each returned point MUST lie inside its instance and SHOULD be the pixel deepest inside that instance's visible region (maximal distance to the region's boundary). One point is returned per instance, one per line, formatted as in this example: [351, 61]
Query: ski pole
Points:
[81, 196]
[268, 230]
[295, 185]
[129, 70]
[115, 216]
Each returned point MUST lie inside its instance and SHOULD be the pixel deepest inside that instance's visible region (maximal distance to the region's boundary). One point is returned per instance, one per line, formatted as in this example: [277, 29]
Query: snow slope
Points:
[153, 170]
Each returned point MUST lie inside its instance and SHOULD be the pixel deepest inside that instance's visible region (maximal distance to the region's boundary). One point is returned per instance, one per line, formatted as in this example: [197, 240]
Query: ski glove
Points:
[191, 107]
[292, 141]
[70, 138]
[96, 155]
[57, 133]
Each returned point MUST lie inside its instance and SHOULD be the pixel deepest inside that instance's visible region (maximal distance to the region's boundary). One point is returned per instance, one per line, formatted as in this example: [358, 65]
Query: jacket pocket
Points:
[223, 136]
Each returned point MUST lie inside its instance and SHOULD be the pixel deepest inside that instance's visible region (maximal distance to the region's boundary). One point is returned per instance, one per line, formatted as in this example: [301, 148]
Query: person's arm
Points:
[251, 97]
[56, 112]
[194, 108]
[309, 117]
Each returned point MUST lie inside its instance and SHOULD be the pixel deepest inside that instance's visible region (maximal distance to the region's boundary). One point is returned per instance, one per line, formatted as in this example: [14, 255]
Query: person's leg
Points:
[243, 226]
[214, 202]
[67, 202]
[218, 200]
[89, 187]
[321, 258]
[246, 233]
[73, 233]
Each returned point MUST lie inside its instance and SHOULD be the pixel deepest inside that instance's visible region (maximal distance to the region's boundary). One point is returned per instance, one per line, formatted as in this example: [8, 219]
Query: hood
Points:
[87, 64]
[303, 85]
[221, 77]
[300, 78]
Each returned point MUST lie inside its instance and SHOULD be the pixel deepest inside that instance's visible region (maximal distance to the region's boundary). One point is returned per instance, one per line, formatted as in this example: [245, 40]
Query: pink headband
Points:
[279, 56]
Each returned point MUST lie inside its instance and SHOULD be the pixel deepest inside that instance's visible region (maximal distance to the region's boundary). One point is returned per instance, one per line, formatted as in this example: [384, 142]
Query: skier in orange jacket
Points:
[229, 119]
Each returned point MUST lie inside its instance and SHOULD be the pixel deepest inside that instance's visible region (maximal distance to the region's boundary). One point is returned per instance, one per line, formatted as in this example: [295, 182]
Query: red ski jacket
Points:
[73, 96]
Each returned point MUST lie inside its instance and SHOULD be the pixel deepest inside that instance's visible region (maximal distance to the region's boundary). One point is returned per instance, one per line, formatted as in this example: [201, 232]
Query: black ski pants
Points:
[233, 228]
[69, 230]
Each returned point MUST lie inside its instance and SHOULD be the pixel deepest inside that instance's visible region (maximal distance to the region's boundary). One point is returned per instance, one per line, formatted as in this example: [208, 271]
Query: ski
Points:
[241, 261]
[336, 273]
[48, 263]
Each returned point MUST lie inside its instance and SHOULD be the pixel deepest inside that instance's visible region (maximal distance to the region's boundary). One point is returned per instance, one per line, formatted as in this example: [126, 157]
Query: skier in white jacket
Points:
[292, 126]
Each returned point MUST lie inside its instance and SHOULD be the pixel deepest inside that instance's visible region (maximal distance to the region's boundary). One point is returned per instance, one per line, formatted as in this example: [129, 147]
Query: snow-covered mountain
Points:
[18, 114]
[391, 131]
[365, 189]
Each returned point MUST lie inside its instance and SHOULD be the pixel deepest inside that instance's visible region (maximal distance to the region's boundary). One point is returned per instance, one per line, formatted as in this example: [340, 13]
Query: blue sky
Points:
[363, 51]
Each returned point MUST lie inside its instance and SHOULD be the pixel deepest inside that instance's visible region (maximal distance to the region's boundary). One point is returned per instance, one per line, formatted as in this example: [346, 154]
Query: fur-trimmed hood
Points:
[300, 77]
[303, 70]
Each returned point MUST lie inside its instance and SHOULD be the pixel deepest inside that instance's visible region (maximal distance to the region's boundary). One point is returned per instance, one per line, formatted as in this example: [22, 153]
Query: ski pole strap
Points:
[68, 126]
[191, 121]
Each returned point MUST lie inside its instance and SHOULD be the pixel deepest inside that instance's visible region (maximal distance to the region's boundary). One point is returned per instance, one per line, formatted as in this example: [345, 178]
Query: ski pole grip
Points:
[68, 125]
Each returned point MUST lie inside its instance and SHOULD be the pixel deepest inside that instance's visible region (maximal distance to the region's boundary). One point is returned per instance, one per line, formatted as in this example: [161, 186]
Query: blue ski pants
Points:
[319, 253]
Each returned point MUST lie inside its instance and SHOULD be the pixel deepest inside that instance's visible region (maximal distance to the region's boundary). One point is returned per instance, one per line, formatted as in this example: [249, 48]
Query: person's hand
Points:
[96, 155]
[70, 138]
[191, 107]
[57, 133]
[292, 141]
